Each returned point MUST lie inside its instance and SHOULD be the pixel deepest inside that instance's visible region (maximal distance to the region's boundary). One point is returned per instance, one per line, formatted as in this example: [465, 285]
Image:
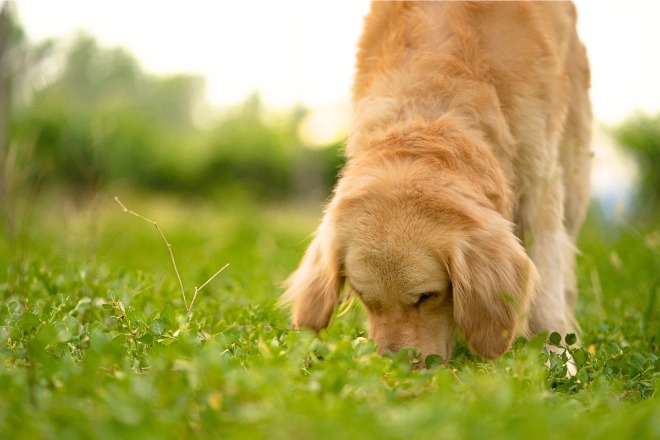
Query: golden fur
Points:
[467, 178]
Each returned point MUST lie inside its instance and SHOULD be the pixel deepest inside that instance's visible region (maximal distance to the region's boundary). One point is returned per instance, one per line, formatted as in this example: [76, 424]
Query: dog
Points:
[466, 180]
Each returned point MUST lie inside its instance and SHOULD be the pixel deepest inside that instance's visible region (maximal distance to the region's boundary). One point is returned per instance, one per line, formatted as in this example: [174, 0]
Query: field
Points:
[95, 341]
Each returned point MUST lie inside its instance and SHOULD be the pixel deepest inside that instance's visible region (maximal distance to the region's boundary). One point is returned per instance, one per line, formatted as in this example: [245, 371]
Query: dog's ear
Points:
[313, 289]
[493, 282]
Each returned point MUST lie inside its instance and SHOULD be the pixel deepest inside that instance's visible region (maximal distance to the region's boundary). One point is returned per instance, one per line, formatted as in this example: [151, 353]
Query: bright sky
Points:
[290, 50]
[303, 51]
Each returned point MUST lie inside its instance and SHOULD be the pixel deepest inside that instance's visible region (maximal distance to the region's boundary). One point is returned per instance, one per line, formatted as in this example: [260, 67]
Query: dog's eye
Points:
[425, 297]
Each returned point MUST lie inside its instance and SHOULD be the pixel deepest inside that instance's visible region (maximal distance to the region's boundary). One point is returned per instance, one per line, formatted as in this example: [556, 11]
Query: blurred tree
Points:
[640, 135]
[247, 149]
[5, 28]
[98, 117]
[101, 116]
[254, 150]
[13, 61]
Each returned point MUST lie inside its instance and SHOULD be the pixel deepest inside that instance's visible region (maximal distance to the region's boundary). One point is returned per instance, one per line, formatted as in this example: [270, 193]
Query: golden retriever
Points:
[466, 182]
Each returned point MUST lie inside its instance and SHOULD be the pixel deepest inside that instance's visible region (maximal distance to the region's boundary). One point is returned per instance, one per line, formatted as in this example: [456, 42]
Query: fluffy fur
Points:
[466, 182]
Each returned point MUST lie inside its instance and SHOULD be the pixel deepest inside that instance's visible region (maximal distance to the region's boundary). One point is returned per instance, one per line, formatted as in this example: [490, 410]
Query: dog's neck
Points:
[448, 143]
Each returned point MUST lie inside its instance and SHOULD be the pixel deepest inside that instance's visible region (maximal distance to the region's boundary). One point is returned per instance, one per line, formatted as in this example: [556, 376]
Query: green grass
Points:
[95, 341]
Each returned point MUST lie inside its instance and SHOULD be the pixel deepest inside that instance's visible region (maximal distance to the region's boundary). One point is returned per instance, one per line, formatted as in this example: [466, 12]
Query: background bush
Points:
[99, 118]
[640, 137]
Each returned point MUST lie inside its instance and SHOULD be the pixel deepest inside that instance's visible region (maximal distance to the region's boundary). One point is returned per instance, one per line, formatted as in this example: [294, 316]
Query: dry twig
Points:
[169, 248]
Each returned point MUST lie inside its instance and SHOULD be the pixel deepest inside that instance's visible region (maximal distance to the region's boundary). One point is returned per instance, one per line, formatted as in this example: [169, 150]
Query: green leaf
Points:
[320, 350]
[98, 339]
[158, 326]
[146, 339]
[579, 356]
[570, 339]
[29, 322]
[118, 340]
[63, 332]
[637, 361]
[433, 360]
[137, 315]
[582, 376]
[555, 339]
[168, 313]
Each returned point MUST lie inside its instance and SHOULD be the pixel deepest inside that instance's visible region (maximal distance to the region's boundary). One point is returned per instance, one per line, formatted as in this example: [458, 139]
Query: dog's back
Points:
[511, 67]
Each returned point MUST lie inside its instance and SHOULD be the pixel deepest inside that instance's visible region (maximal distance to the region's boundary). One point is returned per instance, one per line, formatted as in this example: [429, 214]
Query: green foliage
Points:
[640, 135]
[95, 341]
[253, 152]
[102, 117]
[99, 118]
[620, 367]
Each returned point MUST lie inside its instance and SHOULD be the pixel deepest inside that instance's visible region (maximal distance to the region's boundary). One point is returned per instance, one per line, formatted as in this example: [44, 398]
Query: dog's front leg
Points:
[551, 249]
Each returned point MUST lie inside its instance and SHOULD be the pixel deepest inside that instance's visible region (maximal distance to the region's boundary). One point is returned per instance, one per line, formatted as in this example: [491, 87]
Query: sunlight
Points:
[324, 127]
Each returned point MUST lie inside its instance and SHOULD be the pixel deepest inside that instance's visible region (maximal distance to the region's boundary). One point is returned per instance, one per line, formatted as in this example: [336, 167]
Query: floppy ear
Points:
[493, 283]
[313, 289]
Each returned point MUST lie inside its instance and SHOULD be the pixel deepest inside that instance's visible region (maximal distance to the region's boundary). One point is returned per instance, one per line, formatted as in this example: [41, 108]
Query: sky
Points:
[291, 51]
[303, 52]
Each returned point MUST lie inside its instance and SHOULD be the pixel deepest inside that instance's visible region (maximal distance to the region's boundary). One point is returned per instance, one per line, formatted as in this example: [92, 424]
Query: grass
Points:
[95, 340]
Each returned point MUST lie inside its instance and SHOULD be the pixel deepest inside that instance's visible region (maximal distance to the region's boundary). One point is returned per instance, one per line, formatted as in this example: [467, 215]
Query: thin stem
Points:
[197, 289]
[169, 248]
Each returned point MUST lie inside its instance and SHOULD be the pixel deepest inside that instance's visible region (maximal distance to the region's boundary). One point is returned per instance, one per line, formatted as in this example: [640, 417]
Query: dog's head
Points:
[425, 253]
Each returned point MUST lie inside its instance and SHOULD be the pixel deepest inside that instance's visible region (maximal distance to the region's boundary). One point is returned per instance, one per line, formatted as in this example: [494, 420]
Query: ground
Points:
[95, 340]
